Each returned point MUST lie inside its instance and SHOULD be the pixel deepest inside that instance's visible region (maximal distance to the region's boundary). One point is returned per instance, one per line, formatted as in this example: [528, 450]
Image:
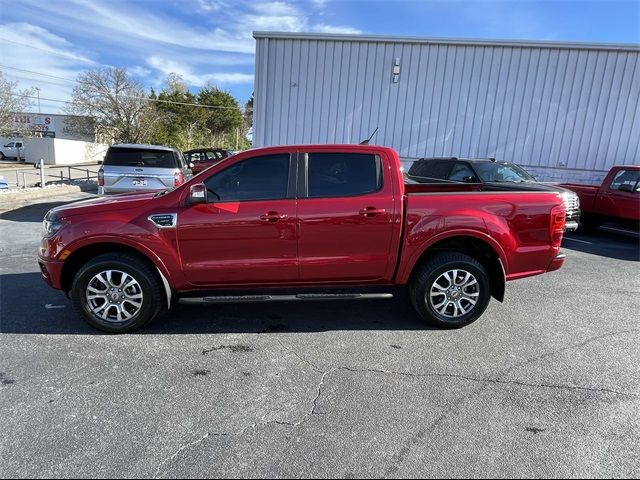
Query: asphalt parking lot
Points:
[546, 384]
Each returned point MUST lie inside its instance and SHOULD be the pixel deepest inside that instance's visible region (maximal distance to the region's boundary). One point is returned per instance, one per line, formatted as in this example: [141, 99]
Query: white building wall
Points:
[564, 111]
[58, 151]
[69, 152]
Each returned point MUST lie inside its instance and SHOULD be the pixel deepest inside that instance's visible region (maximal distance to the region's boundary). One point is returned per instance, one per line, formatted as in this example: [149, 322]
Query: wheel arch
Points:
[477, 248]
[83, 254]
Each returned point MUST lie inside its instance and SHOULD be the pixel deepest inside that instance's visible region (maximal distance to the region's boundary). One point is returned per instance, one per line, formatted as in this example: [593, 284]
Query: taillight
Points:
[556, 224]
[178, 179]
[101, 178]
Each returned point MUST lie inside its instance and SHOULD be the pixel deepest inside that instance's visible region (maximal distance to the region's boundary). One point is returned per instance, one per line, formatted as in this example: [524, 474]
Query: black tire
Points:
[152, 301]
[2, 157]
[432, 272]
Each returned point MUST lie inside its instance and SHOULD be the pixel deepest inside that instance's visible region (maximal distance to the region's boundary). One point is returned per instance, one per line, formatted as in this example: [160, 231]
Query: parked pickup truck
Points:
[299, 223]
[616, 200]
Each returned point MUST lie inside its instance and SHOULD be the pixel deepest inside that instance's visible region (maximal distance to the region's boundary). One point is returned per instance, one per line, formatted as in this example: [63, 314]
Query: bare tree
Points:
[108, 100]
[12, 102]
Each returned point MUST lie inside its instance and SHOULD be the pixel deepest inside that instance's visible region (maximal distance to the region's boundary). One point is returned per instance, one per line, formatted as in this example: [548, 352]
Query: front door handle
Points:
[372, 211]
[272, 217]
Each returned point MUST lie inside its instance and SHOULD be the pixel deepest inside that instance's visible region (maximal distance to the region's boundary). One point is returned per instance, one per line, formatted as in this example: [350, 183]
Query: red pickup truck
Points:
[616, 200]
[299, 223]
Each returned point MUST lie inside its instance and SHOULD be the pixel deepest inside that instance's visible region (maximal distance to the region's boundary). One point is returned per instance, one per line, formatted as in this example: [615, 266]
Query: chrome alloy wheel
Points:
[454, 293]
[114, 296]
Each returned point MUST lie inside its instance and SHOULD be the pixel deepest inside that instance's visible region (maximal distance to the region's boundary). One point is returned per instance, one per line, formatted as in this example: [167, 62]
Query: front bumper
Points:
[51, 272]
[571, 226]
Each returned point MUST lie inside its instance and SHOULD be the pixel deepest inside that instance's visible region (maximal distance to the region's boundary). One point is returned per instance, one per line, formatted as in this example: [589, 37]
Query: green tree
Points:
[224, 121]
[182, 122]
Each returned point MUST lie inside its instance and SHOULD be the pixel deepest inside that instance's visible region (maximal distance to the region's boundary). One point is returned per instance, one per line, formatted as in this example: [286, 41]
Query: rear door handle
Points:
[272, 217]
[372, 211]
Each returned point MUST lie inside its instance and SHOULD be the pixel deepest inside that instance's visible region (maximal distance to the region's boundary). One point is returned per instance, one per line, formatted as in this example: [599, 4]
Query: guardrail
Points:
[51, 175]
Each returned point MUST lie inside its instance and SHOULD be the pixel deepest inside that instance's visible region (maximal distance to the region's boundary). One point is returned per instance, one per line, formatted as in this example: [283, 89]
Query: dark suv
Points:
[493, 175]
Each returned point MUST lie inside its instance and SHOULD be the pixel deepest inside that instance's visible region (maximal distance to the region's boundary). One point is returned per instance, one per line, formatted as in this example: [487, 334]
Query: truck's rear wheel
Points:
[450, 290]
[117, 293]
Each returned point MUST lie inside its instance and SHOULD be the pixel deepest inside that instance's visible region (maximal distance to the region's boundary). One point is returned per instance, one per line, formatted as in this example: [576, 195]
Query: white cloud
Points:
[37, 38]
[320, 28]
[208, 6]
[215, 45]
[139, 71]
[197, 79]
[35, 57]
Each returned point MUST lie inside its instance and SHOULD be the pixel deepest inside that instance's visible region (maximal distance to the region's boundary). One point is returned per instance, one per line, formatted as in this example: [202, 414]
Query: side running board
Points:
[284, 298]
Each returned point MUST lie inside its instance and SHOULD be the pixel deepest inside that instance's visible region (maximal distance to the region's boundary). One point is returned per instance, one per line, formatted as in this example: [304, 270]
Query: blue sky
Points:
[210, 40]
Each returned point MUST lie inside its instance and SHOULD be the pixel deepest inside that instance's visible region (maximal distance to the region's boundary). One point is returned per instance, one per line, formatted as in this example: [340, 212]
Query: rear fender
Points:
[465, 241]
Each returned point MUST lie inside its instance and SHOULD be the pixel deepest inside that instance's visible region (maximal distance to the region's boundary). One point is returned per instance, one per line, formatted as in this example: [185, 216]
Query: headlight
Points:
[51, 224]
[571, 200]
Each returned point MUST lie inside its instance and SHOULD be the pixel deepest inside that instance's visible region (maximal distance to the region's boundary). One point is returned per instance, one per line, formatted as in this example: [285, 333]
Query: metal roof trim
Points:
[339, 37]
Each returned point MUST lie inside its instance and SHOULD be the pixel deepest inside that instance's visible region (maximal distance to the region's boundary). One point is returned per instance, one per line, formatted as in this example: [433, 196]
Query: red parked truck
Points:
[616, 200]
[299, 223]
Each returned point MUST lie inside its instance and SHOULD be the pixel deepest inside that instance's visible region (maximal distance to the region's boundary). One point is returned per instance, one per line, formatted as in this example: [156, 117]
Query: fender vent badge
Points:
[164, 220]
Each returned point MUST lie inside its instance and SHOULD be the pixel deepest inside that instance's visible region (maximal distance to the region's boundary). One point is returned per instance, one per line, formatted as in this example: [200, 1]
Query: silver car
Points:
[134, 167]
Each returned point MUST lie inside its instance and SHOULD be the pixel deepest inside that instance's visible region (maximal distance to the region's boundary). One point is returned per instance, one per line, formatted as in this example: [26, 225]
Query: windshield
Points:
[501, 172]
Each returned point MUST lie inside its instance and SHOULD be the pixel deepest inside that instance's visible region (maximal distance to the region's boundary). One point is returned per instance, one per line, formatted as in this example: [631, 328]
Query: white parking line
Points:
[628, 232]
[50, 306]
[576, 240]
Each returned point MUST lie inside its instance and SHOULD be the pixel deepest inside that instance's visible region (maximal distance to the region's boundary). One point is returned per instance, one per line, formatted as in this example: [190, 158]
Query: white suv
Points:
[133, 167]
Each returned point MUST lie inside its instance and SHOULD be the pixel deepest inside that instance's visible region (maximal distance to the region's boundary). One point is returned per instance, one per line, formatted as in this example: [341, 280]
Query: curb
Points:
[7, 200]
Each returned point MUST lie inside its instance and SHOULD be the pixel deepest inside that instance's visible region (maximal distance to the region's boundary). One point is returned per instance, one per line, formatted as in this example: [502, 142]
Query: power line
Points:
[133, 97]
[54, 52]
[38, 73]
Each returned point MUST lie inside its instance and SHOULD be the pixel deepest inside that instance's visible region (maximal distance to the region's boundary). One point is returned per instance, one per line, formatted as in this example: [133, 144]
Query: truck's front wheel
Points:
[117, 293]
[450, 290]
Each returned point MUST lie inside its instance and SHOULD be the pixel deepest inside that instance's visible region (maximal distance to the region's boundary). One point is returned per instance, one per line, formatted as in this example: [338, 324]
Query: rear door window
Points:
[132, 157]
[343, 174]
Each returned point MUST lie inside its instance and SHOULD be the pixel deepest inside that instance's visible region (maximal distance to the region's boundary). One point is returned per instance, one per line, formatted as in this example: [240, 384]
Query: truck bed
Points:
[432, 211]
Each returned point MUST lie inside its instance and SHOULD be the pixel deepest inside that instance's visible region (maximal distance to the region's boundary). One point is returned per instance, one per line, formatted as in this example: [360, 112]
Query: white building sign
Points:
[45, 125]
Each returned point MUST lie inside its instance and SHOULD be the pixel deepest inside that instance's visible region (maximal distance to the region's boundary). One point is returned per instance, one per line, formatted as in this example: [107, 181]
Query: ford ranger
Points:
[299, 223]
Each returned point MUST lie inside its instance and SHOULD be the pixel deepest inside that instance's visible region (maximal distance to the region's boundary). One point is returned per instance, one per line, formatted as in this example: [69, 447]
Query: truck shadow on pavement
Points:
[33, 213]
[28, 306]
[612, 243]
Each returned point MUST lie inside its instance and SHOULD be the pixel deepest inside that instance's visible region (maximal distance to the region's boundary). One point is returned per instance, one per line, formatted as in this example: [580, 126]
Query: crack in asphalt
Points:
[492, 380]
[254, 426]
[406, 448]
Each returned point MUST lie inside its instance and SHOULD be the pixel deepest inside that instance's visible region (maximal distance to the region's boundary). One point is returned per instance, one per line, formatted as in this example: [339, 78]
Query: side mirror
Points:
[470, 179]
[197, 194]
[191, 165]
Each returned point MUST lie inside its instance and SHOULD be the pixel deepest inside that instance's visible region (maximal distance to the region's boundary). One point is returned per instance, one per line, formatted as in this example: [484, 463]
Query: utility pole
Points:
[38, 90]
